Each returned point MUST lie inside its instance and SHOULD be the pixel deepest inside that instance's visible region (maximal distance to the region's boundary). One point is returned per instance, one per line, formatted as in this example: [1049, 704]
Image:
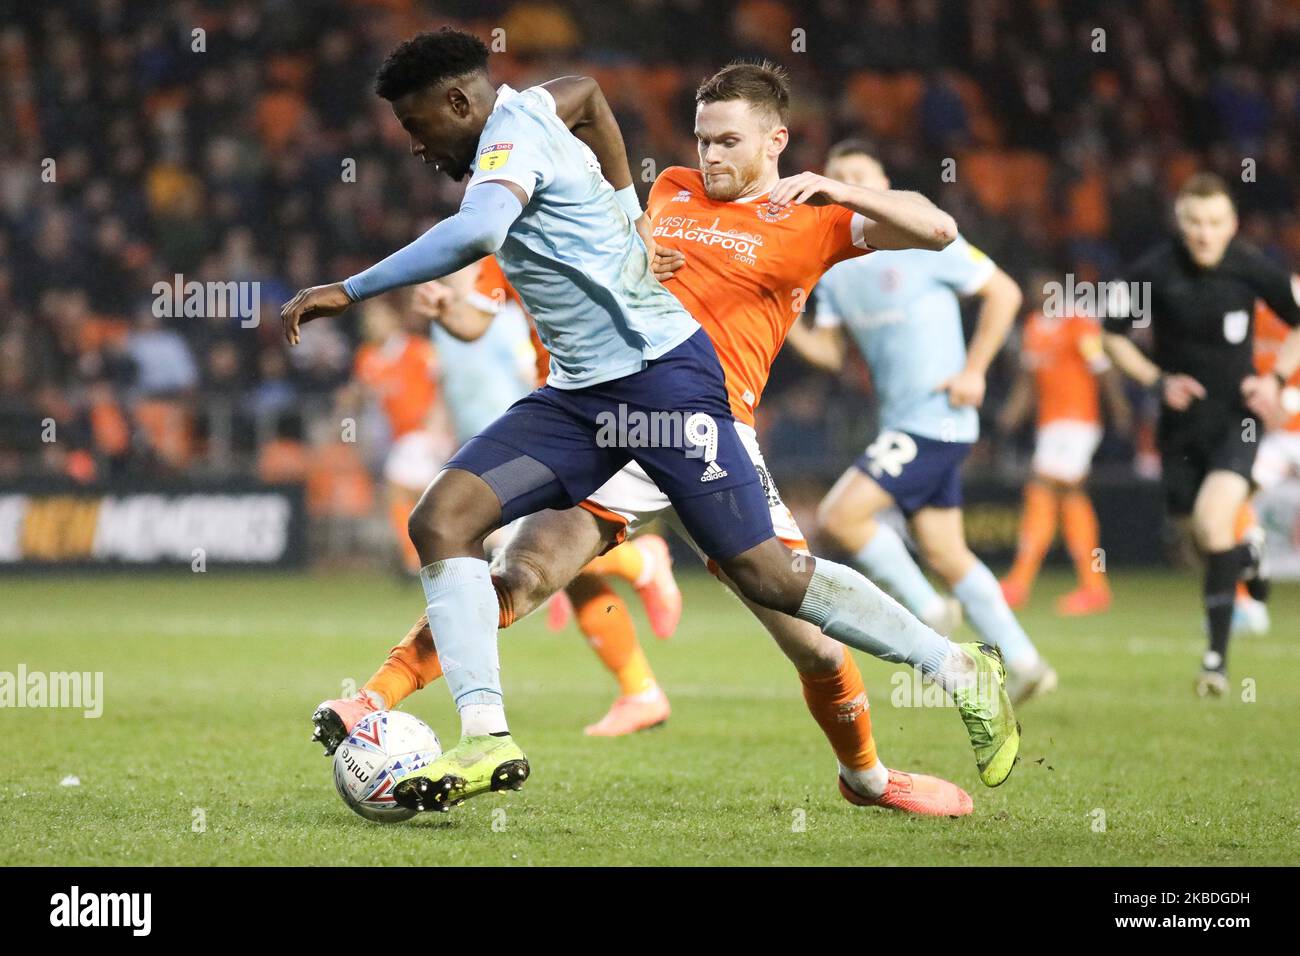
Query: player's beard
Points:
[740, 182]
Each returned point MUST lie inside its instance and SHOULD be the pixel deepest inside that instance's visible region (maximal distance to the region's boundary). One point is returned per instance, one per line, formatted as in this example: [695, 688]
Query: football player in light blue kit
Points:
[551, 195]
[901, 309]
[486, 357]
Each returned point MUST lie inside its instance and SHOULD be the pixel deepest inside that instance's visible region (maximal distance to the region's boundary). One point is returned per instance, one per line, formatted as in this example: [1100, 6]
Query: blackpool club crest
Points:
[771, 213]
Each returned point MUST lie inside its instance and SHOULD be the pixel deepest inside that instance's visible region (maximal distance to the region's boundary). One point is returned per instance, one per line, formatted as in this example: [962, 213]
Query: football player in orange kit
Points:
[745, 247]
[398, 368]
[1277, 460]
[1064, 372]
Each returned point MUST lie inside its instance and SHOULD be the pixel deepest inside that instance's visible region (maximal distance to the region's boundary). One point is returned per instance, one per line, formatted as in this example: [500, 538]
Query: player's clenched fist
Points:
[1262, 394]
[966, 388]
[311, 304]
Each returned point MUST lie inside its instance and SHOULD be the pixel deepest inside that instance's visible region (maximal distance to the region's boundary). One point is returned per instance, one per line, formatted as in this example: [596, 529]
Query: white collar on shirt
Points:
[504, 94]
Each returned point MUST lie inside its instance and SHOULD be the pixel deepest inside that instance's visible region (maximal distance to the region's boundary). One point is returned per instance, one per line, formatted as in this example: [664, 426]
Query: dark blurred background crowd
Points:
[224, 155]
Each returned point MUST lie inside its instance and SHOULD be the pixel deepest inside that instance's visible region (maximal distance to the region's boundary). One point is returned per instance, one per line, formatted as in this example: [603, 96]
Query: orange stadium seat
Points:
[886, 104]
[1088, 205]
[282, 461]
[278, 114]
[168, 430]
[1005, 181]
[1178, 167]
[985, 131]
[109, 427]
[337, 483]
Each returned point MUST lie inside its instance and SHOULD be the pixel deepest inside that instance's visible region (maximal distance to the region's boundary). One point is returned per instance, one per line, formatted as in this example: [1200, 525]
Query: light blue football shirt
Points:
[481, 379]
[901, 309]
[573, 255]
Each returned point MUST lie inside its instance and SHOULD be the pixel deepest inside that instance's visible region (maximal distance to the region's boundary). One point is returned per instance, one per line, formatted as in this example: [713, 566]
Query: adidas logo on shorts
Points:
[713, 472]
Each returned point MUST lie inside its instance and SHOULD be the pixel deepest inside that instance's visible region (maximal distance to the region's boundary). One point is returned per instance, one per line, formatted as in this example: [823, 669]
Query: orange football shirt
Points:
[1270, 332]
[401, 372]
[1064, 355]
[492, 284]
[748, 271]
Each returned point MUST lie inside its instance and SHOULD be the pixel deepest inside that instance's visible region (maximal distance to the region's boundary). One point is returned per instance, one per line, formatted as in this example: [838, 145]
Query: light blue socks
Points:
[462, 608]
[887, 561]
[853, 611]
[986, 609]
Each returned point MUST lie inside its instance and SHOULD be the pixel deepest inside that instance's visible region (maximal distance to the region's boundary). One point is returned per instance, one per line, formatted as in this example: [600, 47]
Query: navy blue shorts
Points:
[917, 472]
[554, 447]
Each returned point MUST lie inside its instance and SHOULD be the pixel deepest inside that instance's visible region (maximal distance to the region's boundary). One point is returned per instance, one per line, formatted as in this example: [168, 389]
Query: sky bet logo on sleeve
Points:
[494, 157]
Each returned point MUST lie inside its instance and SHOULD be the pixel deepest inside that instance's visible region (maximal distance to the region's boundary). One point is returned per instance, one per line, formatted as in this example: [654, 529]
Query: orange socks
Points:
[1037, 529]
[1082, 539]
[400, 504]
[604, 619]
[838, 702]
[625, 561]
[1244, 521]
[410, 665]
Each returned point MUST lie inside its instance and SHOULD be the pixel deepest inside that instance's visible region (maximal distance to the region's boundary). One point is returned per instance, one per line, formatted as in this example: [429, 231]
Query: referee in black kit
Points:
[1199, 292]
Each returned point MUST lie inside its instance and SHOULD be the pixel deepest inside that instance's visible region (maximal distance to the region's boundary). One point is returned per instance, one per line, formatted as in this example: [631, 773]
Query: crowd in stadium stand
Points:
[224, 155]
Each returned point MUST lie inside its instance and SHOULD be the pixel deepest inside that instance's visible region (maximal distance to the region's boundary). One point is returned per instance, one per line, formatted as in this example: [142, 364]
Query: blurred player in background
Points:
[1279, 453]
[902, 310]
[398, 368]
[485, 345]
[1277, 460]
[1201, 305]
[1064, 372]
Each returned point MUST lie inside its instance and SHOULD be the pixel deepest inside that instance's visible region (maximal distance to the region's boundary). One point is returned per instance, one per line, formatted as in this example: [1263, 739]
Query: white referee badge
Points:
[1235, 325]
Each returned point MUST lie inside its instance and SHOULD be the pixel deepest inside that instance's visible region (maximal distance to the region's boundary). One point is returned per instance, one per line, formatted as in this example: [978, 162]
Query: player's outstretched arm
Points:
[1117, 404]
[1019, 403]
[1178, 391]
[1000, 299]
[1280, 288]
[1263, 393]
[447, 303]
[476, 230]
[895, 218]
[1128, 358]
[820, 346]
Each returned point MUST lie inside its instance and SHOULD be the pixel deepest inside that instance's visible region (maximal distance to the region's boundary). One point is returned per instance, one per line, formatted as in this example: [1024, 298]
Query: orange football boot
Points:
[632, 713]
[1016, 594]
[915, 793]
[1083, 601]
[660, 595]
[334, 719]
[559, 611]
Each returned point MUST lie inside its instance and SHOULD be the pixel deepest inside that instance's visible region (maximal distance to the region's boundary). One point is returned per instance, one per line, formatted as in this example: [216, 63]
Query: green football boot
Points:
[478, 764]
[986, 711]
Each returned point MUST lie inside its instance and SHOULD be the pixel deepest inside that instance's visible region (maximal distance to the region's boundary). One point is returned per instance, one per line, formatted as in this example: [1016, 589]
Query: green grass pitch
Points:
[202, 757]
